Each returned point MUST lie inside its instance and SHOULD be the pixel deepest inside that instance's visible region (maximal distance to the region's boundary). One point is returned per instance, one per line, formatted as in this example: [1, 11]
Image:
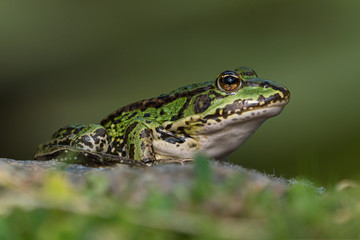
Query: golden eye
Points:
[229, 81]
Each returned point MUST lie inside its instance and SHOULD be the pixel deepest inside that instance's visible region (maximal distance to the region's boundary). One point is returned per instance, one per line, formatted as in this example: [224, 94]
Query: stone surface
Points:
[168, 173]
[30, 183]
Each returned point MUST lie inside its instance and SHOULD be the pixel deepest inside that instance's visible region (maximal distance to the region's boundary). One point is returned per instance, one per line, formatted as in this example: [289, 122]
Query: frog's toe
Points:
[148, 161]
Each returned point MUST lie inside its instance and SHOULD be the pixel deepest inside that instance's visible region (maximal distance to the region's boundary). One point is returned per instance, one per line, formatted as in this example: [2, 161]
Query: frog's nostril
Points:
[265, 84]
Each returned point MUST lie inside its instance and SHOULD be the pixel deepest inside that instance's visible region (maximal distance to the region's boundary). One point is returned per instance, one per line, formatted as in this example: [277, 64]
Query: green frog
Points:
[214, 118]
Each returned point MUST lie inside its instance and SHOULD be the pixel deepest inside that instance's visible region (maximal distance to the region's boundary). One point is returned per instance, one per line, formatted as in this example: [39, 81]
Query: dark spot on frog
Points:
[261, 98]
[174, 118]
[162, 112]
[181, 129]
[146, 115]
[77, 130]
[231, 108]
[120, 147]
[218, 120]
[252, 114]
[149, 152]
[183, 108]
[132, 151]
[86, 141]
[170, 140]
[130, 128]
[201, 103]
[128, 131]
[168, 126]
[277, 96]
[169, 137]
[123, 154]
[203, 120]
[145, 133]
[212, 116]
[148, 121]
[132, 115]
[173, 140]
[64, 133]
[117, 120]
[100, 132]
[191, 145]
[65, 141]
[143, 146]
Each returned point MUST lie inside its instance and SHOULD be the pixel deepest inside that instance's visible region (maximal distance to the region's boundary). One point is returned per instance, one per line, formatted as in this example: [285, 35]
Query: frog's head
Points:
[239, 96]
[228, 112]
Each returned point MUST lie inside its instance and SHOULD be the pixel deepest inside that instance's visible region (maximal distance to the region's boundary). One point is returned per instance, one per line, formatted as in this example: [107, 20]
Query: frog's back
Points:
[166, 107]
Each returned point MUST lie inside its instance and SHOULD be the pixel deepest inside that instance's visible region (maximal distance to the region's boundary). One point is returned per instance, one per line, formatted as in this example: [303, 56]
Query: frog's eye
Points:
[246, 72]
[229, 81]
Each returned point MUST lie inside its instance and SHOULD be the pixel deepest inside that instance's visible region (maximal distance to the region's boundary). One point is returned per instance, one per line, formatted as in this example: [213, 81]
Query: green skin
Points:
[213, 117]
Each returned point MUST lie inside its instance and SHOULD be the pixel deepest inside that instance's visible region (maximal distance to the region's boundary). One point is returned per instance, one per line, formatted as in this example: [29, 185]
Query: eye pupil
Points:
[230, 80]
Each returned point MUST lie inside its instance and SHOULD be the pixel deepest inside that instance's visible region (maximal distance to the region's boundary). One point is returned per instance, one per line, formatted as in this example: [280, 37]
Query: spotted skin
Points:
[199, 117]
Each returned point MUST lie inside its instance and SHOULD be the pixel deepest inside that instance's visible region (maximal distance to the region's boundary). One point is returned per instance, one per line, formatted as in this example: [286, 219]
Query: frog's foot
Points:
[92, 138]
[105, 159]
[90, 159]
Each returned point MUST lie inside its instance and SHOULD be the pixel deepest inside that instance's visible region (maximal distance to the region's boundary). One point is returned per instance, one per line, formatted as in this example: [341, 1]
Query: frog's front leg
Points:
[139, 142]
[140, 137]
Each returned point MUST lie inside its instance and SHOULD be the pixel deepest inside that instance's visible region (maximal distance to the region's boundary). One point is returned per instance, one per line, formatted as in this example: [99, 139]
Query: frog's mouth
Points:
[248, 120]
[241, 107]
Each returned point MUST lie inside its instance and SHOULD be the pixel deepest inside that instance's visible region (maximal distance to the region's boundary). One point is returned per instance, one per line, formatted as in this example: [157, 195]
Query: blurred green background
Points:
[64, 62]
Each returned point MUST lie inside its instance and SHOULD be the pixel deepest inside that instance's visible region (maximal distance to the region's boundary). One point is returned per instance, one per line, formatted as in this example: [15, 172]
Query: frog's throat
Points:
[219, 139]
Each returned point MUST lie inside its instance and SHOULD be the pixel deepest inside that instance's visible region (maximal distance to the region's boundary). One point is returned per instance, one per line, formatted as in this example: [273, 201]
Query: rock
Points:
[27, 182]
[167, 173]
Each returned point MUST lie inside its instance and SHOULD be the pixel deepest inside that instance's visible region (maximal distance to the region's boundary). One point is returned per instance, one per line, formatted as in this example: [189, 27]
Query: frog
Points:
[213, 118]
